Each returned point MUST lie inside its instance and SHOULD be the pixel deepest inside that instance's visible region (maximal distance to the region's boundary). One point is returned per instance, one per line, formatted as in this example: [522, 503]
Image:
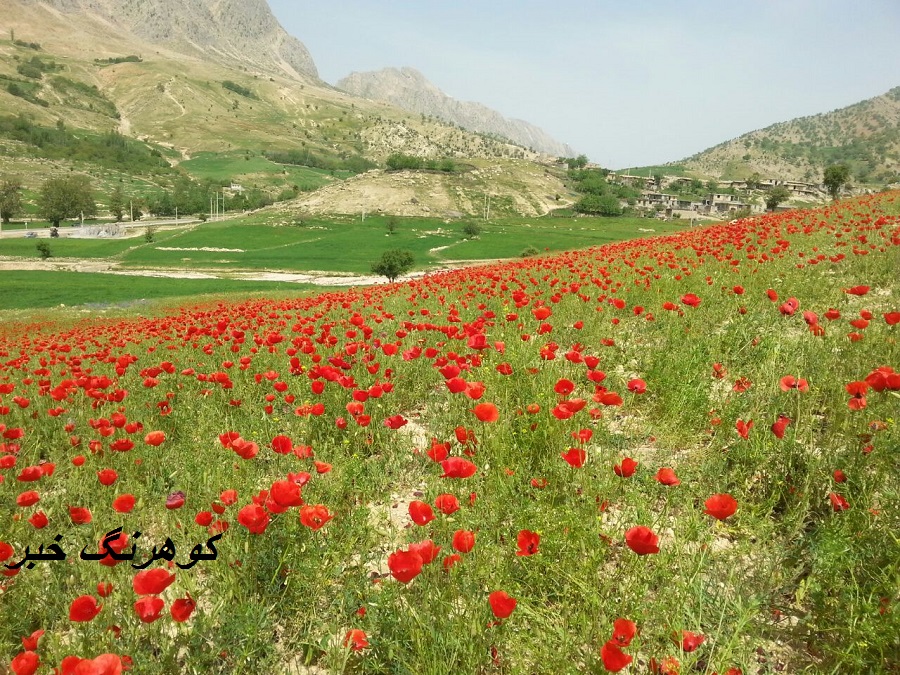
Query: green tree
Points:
[10, 197]
[393, 263]
[577, 162]
[836, 177]
[754, 181]
[117, 203]
[61, 198]
[776, 196]
[471, 229]
[600, 205]
[391, 225]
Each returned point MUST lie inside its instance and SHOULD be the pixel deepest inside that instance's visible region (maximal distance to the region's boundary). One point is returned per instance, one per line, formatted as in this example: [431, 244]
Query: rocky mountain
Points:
[865, 136]
[242, 32]
[408, 89]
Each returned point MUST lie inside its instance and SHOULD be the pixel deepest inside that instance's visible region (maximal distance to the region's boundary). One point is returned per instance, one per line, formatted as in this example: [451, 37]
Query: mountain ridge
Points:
[409, 89]
[226, 30]
[864, 135]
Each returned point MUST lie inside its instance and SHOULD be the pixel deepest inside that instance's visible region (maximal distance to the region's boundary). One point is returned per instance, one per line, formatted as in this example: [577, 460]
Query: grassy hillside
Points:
[865, 136]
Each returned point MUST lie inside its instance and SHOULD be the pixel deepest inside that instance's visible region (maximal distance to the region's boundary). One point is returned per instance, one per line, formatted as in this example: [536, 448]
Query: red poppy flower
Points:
[420, 512]
[29, 474]
[175, 500]
[463, 541]
[80, 515]
[623, 632]
[25, 663]
[438, 451]
[667, 476]
[641, 540]
[528, 542]
[254, 518]
[426, 549]
[564, 387]
[38, 520]
[789, 382]
[857, 391]
[743, 428]
[107, 476]
[405, 565]
[282, 445]
[104, 589]
[396, 422]
[244, 448]
[6, 551]
[857, 290]
[502, 605]
[286, 493]
[839, 476]
[182, 609]
[539, 483]
[789, 307]
[574, 457]
[28, 498]
[838, 503]
[450, 560]
[228, 497]
[30, 643]
[155, 438]
[720, 506]
[780, 425]
[626, 468]
[315, 517]
[149, 608]
[84, 608]
[637, 386]
[690, 641]
[690, 300]
[447, 504]
[614, 659]
[742, 384]
[486, 412]
[892, 318]
[152, 582]
[322, 467]
[121, 445]
[123, 503]
[356, 640]
[457, 467]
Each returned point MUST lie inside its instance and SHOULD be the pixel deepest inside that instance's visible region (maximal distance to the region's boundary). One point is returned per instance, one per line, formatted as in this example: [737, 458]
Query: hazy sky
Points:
[630, 82]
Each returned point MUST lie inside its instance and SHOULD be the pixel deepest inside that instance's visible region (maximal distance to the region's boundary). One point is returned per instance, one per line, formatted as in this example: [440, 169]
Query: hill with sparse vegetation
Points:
[409, 89]
[865, 136]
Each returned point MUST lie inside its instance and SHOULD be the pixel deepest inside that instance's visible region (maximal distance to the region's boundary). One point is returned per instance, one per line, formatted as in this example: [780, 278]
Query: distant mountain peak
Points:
[410, 90]
[236, 31]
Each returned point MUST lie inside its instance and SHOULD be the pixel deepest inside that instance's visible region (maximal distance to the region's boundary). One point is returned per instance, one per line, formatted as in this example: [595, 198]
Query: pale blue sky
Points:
[629, 82]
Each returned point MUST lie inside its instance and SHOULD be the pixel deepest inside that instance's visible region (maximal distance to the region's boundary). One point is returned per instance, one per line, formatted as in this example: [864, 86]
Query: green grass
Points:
[33, 289]
[342, 245]
[74, 248]
[240, 166]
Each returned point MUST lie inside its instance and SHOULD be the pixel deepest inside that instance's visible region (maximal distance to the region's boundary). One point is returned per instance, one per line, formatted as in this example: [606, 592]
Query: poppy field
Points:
[668, 455]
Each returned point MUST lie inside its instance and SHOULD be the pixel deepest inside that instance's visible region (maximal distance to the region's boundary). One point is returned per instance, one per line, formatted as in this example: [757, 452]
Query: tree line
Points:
[68, 197]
